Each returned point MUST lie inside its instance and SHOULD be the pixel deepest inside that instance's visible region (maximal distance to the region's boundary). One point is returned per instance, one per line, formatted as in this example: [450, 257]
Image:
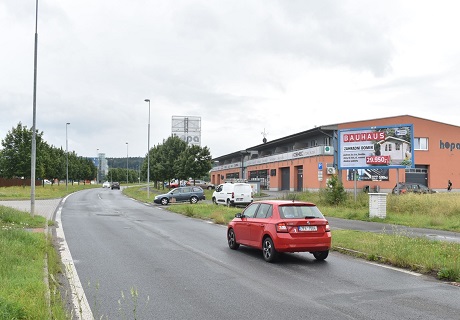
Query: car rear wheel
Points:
[209, 188]
[164, 201]
[193, 200]
[232, 240]
[321, 255]
[268, 250]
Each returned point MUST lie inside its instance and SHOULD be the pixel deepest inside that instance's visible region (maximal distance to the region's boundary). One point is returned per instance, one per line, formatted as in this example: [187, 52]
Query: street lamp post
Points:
[33, 156]
[97, 167]
[126, 162]
[148, 154]
[67, 158]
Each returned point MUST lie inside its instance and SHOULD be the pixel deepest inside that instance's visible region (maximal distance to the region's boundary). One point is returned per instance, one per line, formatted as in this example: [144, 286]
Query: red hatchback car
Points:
[281, 226]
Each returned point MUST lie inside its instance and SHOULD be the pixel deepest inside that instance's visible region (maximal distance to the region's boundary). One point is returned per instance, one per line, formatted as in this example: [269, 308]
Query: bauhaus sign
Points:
[376, 147]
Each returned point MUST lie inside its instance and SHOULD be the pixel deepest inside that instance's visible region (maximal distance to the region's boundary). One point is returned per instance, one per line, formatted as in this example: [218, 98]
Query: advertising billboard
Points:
[376, 147]
[187, 128]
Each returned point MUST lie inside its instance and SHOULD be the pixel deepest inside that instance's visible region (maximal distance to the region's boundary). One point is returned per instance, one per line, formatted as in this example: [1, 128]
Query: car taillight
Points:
[328, 228]
[281, 227]
[233, 195]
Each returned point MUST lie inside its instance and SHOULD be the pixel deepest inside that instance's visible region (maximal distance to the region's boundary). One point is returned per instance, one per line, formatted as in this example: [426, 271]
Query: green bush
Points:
[335, 193]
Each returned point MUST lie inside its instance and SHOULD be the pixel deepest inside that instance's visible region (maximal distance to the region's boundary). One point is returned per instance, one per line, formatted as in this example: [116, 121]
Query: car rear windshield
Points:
[299, 212]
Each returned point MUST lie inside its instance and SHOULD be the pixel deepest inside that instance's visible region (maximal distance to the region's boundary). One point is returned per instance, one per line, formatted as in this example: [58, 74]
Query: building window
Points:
[420, 143]
[397, 146]
[327, 141]
[388, 147]
[235, 175]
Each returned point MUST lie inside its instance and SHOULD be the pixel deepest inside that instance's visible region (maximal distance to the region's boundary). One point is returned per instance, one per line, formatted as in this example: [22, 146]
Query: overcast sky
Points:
[244, 67]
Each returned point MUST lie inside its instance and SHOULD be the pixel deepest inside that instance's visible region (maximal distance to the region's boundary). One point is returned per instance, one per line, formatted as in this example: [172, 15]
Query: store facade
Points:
[304, 161]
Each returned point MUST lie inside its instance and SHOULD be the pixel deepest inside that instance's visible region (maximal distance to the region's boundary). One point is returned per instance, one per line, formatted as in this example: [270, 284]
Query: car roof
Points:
[285, 202]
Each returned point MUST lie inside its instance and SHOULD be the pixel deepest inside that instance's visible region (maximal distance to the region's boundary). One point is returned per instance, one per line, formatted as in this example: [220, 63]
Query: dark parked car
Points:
[115, 185]
[182, 194]
[281, 226]
[411, 187]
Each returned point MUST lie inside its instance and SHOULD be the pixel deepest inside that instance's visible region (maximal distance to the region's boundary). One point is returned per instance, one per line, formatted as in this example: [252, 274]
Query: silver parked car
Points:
[191, 194]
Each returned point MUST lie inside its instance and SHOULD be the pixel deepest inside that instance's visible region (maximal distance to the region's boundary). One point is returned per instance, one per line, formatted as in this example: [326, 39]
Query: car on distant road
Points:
[191, 194]
[106, 184]
[115, 185]
[412, 187]
[203, 184]
[276, 226]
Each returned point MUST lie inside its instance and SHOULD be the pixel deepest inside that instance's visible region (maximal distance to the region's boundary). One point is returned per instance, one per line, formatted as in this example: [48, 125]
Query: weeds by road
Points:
[24, 250]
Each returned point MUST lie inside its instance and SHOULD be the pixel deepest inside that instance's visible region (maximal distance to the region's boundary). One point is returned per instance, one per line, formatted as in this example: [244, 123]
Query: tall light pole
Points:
[126, 162]
[97, 167]
[67, 158]
[33, 157]
[148, 154]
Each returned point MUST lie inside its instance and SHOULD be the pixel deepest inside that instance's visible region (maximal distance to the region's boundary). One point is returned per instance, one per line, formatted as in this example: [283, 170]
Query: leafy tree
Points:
[15, 158]
[55, 165]
[17, 153]
[157, 166]
[194, 162]
[169, 155]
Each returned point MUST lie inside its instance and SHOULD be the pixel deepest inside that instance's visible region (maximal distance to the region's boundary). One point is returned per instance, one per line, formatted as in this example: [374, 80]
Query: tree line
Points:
[173, 159]
[51, 162]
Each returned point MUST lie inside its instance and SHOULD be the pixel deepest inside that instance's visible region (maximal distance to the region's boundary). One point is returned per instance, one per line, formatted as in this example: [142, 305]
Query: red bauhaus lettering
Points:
[363, 136]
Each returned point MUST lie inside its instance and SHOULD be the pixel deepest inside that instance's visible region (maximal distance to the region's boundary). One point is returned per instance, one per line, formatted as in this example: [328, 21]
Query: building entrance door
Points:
[419, 174]
[285, 178]
[299, 178]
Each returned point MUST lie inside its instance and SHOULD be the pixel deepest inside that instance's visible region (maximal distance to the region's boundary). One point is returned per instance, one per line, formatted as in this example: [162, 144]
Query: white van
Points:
[233, 194]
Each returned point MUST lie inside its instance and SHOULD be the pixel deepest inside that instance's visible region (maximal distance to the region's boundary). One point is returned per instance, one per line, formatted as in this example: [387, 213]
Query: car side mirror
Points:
[239, 215]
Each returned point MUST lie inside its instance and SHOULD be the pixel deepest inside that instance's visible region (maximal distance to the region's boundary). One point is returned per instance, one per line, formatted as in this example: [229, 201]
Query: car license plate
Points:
[239, 199]
[307, 228]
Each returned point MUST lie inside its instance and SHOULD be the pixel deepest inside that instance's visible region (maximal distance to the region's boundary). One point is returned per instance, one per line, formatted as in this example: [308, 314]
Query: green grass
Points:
[439, 211]
[42, 192]
[418, 254]
[13, 219]
[23, 293]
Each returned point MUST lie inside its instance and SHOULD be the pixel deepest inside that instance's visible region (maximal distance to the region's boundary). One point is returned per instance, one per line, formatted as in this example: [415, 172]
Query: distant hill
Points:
[133, 162]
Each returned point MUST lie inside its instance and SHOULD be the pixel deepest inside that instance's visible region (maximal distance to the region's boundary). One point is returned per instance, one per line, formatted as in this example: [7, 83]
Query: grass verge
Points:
[42, 192]
[438, 258]
[23, 253]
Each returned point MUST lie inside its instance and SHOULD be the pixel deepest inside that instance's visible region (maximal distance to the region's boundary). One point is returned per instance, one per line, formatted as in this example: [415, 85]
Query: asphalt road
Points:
[182, 268]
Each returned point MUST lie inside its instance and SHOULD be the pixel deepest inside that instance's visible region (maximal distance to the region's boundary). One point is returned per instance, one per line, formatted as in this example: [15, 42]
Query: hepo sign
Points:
[449, 145]
[191, 139]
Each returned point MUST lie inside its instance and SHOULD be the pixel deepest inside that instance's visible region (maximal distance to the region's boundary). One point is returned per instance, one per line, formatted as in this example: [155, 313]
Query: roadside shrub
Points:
[189, 211]
[335, 193]
[448, 274]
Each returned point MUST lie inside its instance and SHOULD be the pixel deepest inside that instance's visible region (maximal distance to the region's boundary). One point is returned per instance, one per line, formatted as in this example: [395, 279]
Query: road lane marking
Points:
[81, 309]
[395, 269]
